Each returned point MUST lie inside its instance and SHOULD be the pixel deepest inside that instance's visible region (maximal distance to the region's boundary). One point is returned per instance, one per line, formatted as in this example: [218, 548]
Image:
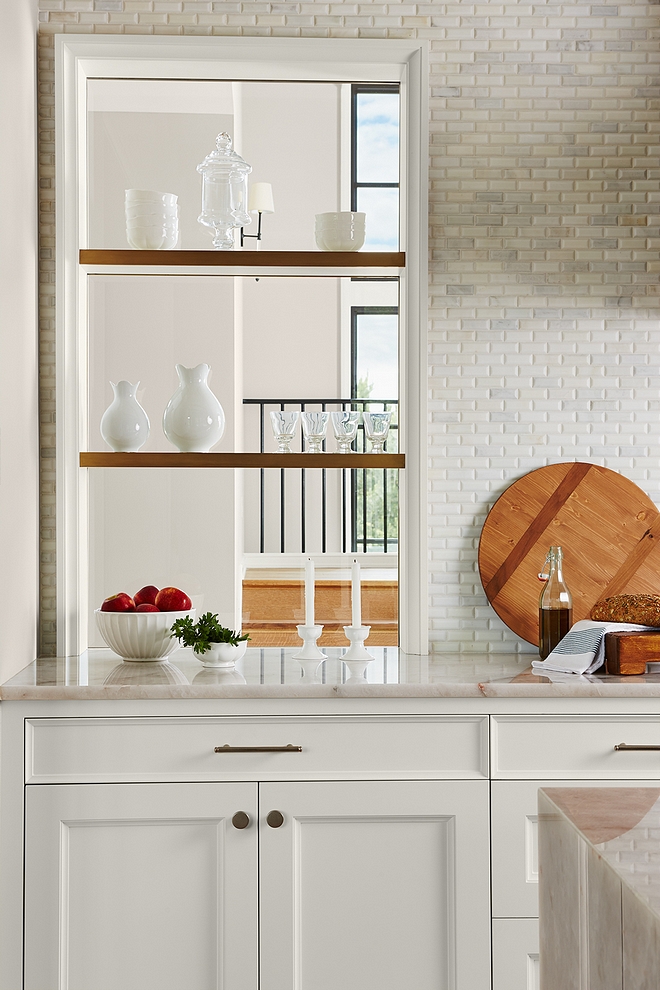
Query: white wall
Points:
[290, 136]
[156, 527]
[19, 445]
[161, 151]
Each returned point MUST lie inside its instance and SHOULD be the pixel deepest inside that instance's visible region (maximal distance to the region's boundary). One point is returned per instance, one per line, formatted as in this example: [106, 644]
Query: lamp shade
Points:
[260, 198]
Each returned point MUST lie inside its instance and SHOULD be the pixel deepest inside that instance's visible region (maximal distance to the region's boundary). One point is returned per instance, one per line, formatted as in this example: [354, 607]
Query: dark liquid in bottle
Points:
[554, 623]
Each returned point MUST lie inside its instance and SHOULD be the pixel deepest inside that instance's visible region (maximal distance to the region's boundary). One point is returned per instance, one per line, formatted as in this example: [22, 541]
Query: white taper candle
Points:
[309, 592]
[355, 595]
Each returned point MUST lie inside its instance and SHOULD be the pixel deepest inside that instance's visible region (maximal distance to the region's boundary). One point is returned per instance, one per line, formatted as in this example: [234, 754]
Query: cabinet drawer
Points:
[516, 954]
[333, 747]
[567, 746]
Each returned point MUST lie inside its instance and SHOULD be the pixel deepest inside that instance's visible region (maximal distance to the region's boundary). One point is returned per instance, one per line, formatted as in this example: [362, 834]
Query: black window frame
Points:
[360, 544]
[356, 90]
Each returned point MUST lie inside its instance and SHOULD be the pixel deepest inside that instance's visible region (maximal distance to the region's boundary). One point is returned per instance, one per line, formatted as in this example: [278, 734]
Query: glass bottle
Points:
[555, 605]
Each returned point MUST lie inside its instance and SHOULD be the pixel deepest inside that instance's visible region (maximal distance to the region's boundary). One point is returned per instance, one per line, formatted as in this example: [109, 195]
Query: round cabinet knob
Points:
[275, 819]
[240, 820]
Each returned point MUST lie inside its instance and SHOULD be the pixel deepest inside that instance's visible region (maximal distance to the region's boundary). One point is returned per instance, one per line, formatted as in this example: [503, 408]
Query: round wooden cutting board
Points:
[609, 530]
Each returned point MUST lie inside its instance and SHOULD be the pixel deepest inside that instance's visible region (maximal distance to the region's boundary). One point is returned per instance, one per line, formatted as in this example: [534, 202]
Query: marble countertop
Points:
[273, 673]
[623, 825]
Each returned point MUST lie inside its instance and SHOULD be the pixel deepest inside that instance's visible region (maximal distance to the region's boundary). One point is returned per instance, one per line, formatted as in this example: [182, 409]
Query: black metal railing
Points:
[369, 496]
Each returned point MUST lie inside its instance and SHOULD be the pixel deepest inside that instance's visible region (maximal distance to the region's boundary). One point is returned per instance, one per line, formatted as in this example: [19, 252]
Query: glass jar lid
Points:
[223, 160]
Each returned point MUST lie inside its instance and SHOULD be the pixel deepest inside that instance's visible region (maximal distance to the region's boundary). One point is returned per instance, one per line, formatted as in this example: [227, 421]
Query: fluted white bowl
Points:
[339, 219]
[137, 210]
[141, 223]
[341, 227]
[340, 240]
[149, 196]
[223, 654]
[146, 239]
[140, 635]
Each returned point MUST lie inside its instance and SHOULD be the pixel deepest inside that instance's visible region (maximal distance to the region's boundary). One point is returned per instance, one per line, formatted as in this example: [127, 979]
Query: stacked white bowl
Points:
[340, 231]
[152, 220]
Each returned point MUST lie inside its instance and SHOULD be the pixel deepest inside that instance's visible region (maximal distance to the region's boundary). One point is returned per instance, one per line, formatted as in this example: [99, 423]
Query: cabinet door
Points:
[140, 887]
[375, 886]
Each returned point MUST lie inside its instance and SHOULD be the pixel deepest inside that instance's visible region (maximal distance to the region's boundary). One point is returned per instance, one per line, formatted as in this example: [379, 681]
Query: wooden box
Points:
[629, 652]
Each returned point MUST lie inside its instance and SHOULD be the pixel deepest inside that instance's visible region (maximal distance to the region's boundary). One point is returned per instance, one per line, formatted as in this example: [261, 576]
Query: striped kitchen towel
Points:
[582, 650]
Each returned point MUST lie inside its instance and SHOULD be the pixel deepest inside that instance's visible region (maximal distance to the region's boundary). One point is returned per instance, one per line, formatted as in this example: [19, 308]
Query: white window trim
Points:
[341, 60]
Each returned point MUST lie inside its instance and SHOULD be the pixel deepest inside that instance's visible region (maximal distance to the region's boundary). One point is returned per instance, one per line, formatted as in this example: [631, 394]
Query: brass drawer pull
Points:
[258, 749]
[628, 746]
[275, 819]
[241, 819]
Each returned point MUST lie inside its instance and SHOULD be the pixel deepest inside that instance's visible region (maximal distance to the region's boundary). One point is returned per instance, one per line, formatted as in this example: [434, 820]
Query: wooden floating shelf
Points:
[246, 259]
[164, 459]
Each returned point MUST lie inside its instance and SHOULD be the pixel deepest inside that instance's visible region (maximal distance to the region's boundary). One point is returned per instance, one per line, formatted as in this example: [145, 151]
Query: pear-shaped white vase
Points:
[194, 420]
[125, 424]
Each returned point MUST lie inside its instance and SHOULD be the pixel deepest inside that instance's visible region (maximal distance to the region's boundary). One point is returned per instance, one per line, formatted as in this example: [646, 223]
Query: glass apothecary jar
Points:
[224, 192]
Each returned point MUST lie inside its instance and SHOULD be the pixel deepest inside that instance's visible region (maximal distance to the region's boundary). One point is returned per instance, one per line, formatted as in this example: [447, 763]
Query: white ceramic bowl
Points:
[139, 223]
[140, 635]
[223, 654]
[339, 219]
[152, 240]
[149, 196]
[340, 240]
[135, 211]
[339, 227]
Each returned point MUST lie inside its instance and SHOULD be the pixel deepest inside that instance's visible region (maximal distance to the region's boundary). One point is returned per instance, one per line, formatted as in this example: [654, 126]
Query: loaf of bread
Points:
[642, 609]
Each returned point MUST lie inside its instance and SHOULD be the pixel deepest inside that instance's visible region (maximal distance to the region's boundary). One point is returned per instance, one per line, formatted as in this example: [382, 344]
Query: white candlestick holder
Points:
[310, 651]
[356, 636]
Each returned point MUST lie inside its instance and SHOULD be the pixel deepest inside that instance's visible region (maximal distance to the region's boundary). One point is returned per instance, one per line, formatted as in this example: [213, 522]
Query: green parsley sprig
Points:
[202, 634]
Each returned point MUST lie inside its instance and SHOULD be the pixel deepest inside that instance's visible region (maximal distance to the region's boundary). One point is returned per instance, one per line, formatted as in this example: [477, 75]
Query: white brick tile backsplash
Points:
[544, 240]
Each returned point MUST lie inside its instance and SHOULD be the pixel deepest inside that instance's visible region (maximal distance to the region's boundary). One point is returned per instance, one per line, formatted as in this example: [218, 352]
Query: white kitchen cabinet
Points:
[378, 873]
[145, 887]
[375, 884]
[149, 885]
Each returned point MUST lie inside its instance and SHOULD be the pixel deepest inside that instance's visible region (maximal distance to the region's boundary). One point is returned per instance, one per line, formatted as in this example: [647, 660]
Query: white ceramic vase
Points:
[125, 424]
[194, 420]
[223, 655]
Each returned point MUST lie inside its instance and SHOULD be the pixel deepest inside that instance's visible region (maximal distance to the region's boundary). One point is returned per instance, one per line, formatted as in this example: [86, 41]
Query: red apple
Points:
[147, 607]
[118, 603]
[173, 600]
[146, 595]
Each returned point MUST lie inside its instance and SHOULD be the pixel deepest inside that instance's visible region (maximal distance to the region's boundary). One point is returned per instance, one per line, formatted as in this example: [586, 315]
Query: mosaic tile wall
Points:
[544, 166]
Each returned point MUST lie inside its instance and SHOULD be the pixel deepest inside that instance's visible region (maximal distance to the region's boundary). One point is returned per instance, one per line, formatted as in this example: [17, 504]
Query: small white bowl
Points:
[340, 240]
[222, 654]
[149, 196]
[345, 217]
[152, 240]
[135, 211]
[146, 223]
[140, 635]
[332, 225]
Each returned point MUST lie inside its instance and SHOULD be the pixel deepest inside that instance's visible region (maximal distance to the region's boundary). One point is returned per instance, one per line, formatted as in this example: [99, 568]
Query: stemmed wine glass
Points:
[376, 426]
[284, 428]
[345, 427]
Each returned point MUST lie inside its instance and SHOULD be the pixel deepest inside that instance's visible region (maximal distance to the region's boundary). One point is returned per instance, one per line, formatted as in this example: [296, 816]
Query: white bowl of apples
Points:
[139, 628]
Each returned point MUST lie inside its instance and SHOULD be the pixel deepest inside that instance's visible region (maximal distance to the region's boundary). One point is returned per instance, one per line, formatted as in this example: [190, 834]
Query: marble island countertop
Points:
[622, 824]
[599, 886]
[274, 673]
